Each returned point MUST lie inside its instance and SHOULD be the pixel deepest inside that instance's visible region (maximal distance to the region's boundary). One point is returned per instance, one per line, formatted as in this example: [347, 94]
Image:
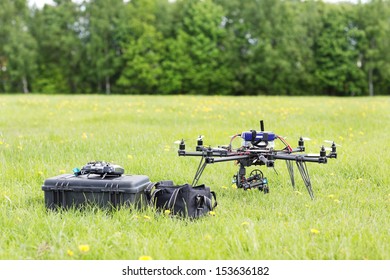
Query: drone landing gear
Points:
[256, 179]
[199, 171]
[304, 173]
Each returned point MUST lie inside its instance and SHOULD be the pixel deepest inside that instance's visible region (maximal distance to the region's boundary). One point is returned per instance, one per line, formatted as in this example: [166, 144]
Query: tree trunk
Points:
[25, 84]
[370, 83]
[108, 86]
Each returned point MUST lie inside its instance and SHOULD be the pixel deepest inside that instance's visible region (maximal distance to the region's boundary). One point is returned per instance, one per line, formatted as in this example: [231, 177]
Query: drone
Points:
[257, 149]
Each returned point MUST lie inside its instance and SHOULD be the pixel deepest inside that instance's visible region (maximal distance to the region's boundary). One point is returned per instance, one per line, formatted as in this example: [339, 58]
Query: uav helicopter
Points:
[258, 148]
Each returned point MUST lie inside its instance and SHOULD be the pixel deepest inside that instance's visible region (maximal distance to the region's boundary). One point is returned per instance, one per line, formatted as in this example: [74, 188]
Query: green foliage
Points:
[57, 30]
[103, 48]
[252, 47]
[49, 135]
[143, 50]
[18, 49]
[337, 52]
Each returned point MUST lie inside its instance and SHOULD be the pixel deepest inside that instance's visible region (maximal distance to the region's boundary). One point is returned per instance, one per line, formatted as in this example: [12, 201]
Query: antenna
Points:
[262, 125]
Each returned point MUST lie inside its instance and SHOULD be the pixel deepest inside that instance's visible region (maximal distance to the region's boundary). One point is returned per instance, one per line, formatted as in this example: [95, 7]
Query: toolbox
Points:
[68, 190]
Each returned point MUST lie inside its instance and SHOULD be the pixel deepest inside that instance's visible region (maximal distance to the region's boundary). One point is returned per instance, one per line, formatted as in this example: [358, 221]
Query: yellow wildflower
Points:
[84, 248]
[84, 135]
[207, 237]
[212, 213]
[314, 231]
[70, 253]
[145, 258]
[245, 224]
[167, 212]
[146, 217]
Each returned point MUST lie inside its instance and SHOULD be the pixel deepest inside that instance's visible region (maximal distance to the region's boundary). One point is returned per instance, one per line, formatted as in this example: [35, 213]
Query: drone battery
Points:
[260, 136]
[66, 191]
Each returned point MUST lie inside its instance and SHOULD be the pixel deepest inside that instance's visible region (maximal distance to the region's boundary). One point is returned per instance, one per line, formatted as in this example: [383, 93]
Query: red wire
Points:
[285, 143]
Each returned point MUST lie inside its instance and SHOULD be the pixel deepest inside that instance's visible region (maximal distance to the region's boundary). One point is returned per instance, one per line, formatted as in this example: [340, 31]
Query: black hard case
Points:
[67, 190]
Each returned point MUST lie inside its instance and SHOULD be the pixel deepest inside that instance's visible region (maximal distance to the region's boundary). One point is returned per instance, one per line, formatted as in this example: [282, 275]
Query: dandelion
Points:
[145, 258]
[40, 173]
[147, 217]
[314, 231]
[84, 135]
[224, 187]
[129, 156]
[234, 186]
[212, 213]
[167, 212]
[207, 237]
[84, 248]
[245, 224]
[70, 253]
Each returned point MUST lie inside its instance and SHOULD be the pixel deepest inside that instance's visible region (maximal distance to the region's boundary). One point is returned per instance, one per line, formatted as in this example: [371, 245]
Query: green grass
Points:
[43, 136]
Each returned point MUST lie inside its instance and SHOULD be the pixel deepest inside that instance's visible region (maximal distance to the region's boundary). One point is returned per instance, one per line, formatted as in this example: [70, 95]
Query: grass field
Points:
[43, 136]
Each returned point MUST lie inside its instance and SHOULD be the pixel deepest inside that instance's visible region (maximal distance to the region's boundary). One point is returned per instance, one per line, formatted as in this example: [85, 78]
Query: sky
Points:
[39, 3]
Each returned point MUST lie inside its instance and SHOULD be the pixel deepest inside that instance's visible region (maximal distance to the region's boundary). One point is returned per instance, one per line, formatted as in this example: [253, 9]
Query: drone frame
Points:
[258, 153]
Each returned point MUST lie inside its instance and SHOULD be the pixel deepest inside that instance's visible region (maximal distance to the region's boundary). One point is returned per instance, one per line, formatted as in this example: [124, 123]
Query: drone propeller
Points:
[182, 145]
[177, 142]
[332, 142]
[313, 155]
[305, 138]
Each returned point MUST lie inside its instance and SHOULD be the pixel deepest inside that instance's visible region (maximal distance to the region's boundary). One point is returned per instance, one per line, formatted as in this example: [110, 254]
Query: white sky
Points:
[39, 3]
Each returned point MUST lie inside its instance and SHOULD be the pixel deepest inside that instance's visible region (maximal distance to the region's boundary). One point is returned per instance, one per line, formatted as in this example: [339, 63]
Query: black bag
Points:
[184, 200]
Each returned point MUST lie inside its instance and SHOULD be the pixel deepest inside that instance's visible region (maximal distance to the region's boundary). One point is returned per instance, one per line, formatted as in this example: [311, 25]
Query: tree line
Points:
[232, 47]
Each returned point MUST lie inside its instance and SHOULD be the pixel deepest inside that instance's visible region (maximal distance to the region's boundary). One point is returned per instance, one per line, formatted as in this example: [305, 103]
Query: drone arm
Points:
[230, 158]
[190, 154]
[205, 153]
[301, 158]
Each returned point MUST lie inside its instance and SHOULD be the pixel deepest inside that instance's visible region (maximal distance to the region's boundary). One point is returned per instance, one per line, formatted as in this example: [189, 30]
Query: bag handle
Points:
[215, 199]
[148, 190]
[172, 200]
[204, 200]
